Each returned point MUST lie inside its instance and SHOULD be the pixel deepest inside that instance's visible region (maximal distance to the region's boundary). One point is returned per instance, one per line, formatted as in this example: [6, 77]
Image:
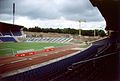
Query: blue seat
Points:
[7, 39]
[6, 33]
[17, 33]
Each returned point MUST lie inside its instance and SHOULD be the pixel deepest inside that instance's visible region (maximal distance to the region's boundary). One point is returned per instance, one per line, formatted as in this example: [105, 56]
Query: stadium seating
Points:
[10, 32]
[50, 39]
[17, 33]
[9, 36]
[0, 34]
[7, 39]
[6, 33]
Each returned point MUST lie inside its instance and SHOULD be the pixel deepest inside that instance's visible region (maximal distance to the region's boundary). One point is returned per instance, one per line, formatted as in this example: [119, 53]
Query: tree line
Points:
[66, 31]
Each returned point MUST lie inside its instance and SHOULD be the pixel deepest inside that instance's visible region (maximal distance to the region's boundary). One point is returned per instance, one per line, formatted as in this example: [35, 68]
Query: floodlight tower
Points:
[13, 13]
[94, 32]
[80, 21]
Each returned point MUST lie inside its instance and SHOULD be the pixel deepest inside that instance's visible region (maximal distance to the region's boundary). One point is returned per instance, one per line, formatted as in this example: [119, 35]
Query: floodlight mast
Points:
[13, 13]
[94, 32]
[80, 30]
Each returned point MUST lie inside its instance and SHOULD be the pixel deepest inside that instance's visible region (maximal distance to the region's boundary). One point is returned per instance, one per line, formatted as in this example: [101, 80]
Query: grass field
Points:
[9, 48]
[84, 45]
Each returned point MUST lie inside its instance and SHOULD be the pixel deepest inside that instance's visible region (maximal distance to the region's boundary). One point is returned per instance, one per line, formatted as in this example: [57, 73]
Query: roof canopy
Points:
[4, 27]
[110, 10]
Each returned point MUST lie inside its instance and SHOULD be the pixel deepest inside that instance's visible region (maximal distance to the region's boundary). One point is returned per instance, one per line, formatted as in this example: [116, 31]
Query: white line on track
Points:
[19, 60]
[2, 64]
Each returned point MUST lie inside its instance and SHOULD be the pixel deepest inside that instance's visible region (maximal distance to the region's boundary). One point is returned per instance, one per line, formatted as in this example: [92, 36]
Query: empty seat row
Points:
[7, 39]
[6, 33]
[50, 39]
[17, 33]
[10, 33]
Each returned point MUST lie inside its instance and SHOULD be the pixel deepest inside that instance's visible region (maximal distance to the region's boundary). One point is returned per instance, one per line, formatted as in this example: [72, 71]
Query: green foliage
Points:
[67, 31]
[92, 32]
[101, 33]
[87, 32]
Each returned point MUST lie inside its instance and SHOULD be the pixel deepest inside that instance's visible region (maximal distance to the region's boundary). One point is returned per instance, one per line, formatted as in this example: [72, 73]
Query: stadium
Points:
[32, 52]
[38, 56]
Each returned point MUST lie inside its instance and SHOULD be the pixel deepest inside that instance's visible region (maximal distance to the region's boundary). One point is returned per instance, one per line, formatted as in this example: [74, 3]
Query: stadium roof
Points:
[110, 10]
[7, 27]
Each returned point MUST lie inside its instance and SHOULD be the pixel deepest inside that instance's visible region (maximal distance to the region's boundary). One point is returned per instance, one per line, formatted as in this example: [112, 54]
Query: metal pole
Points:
[94, 33]
[13, 13]
[79, 28]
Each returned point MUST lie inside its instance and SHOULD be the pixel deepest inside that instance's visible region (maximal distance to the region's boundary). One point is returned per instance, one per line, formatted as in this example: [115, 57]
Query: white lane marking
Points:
[2, 64]
[19, 60]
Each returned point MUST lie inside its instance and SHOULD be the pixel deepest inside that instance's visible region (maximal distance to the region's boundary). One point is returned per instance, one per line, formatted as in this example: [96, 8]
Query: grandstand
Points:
[50, 39]
[10, 32]
[99, 62]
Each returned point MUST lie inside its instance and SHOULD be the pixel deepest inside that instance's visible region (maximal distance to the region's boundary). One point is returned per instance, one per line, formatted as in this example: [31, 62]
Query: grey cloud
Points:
[75, 7]
[37, 10]
[81, 9]
[5, 6]
[51, 9]
[5, 17]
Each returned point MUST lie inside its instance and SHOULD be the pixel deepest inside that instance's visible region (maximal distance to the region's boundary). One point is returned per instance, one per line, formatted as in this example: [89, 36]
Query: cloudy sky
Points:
[52, 13]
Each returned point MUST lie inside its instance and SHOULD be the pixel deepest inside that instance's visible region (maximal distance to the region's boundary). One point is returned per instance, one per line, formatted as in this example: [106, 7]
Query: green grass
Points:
[84, 45]
[24, 46]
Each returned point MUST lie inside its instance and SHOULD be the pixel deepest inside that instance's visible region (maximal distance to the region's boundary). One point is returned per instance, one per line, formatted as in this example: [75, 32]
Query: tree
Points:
[25, 29]
[101, 33]
[67, 31]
